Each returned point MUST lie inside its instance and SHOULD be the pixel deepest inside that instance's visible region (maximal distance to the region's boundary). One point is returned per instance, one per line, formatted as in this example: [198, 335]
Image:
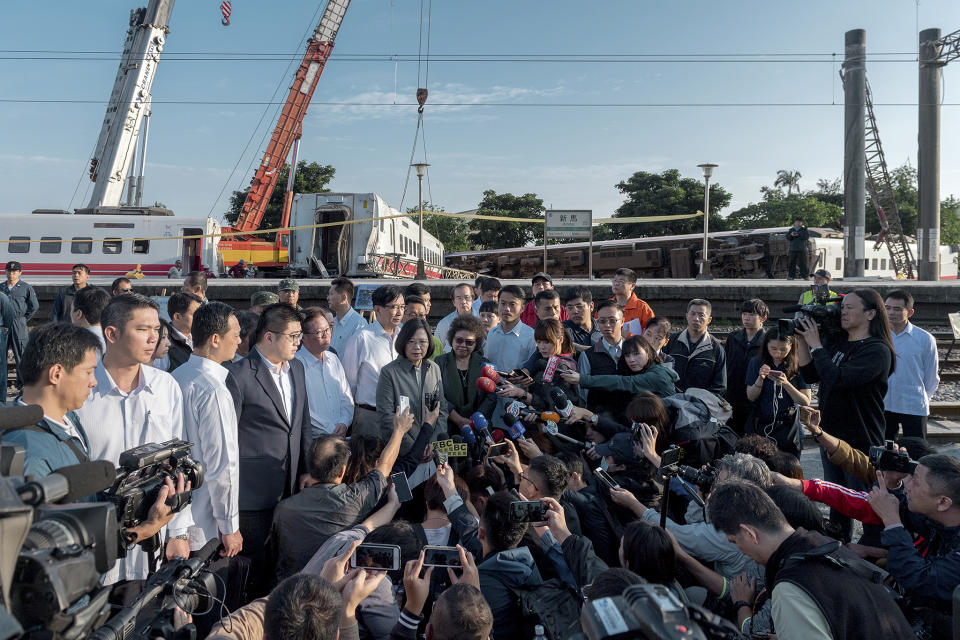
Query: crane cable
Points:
[423, 70]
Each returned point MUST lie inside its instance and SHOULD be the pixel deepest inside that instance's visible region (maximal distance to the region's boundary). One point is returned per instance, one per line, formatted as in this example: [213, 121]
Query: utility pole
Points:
[928, 156]
[421, 169]
[854, 152]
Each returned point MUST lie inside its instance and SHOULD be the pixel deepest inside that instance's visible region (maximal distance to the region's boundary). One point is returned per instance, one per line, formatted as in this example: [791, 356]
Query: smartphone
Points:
[400, 481]
[404, 404]
[378, 557]
[605, 478]
[776, 375]
[434, 556]
[501, 449]
[671, 455]
[528, 511]
[439, 458]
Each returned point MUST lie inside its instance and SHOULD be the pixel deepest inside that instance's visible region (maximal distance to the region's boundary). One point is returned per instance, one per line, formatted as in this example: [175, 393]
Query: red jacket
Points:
[529, 314]
[854, 504]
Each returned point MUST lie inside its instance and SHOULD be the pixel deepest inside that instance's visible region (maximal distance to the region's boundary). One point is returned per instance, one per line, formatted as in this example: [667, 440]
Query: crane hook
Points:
[226, 9]
[421, 99]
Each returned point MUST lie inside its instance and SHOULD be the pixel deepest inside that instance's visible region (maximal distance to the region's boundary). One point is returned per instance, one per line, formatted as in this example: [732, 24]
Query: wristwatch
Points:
[182, 536]
[812, 349]
[594, 419]
[742, 603]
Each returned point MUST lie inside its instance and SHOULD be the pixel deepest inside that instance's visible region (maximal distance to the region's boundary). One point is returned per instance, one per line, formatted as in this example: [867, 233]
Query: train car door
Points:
[326, 240]
[192, 249]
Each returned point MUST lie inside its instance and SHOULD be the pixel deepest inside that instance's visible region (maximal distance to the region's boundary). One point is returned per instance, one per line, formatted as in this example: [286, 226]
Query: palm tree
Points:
[788, 179]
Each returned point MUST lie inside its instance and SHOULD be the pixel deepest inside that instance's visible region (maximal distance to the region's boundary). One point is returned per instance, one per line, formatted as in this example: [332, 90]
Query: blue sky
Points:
[572, 157]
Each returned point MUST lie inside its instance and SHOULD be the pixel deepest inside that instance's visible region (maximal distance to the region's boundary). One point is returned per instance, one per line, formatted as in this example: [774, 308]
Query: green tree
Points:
[653, 194]
[950, 221]
[778, 210]
[904, 182]
[452, 232]
[788, 179]
[487, 234]
[311, 178]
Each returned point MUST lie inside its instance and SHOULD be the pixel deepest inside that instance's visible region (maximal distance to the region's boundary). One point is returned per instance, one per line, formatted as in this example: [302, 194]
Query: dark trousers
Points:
[833, 473]
[913, 426]
[255, 529]
[798, 264]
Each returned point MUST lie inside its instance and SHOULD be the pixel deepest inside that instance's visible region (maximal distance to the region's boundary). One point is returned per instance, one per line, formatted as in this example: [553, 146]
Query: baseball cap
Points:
[541, 276]
[242, 261]
[288, 284]
[620, 447]
[13, 265]
[263, 298]
[821, 273]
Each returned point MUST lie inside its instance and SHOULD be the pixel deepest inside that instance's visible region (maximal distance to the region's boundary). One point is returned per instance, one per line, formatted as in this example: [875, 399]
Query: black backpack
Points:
[553, 604]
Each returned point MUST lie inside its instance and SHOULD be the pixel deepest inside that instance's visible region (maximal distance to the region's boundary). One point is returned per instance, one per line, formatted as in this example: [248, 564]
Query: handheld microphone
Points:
[468, 435]
[479, 422]
[486, 384]
[515, 429]
[488, 371]
[519, 410]
[552, 363]
[561, 402]
[551, 429]
[69, 484]
[550, 416]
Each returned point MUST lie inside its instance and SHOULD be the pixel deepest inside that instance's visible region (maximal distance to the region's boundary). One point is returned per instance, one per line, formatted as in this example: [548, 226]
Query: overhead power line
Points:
[566, 105]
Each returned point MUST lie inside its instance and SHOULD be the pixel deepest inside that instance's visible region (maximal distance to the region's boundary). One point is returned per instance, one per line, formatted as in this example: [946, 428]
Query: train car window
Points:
[839, 264]
[141, 246]
[19, 244]
[50, 244]
[883, 264]
[874, 264]
[81, 245]
[112, 246]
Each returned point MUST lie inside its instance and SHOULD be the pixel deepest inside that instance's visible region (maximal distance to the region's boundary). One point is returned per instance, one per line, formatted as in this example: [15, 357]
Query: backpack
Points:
[553, 604]
[703, 437]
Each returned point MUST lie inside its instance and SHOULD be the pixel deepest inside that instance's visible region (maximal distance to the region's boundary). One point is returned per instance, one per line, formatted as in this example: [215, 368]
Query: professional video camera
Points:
[651, 611]
[143, 470]
[824, 311]
[702, 478]
[888, 457]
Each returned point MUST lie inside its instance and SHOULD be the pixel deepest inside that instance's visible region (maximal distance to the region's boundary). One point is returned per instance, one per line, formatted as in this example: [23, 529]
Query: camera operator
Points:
[853, 378]
[133, 405]
[814, 595]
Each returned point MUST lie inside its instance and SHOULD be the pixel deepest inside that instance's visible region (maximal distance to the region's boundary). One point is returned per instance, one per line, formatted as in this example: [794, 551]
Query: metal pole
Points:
[421, 270]
[590, 255]
[145, 133]
[928, 157]
[854, 152]
[705, 257]
[545, 244]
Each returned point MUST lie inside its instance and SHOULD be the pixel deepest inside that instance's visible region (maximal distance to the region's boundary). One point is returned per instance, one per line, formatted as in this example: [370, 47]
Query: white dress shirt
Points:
[97, 330]
[443, 328]
[328, 392]
[508, 350]
[283, 378]
[345, 329]
[210, 420]
[365, 354]
[187, 339]
[911, 387]
[116, 421]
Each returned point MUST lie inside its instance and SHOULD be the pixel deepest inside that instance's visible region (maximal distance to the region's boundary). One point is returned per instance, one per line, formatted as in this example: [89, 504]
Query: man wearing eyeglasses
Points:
[623, 284]
[328, 392]
[273, 428]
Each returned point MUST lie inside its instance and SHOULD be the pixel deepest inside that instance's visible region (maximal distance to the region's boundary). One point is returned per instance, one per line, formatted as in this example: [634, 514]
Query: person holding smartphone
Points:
[776, 388]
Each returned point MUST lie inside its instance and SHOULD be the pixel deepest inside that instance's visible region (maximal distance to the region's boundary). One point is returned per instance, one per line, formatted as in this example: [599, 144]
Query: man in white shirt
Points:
[196, 283]
[88, 305]
[328, 392]
[369, 351]
[134, 405]
[488, 290]
[347, 322]
[210, 421]
[462, 306]
[176, 271]
[911, 386]
[509, 344]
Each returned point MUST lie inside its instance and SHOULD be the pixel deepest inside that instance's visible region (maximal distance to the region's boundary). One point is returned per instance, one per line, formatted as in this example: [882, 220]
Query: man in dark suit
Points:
[273, 431]
[181, 308]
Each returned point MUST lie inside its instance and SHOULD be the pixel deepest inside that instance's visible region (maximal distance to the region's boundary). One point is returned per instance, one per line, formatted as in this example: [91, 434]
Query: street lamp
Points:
[421, 169]
[704, 258]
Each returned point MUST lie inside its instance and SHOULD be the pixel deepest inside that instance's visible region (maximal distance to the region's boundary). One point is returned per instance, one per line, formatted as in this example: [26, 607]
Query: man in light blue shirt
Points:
[509, 344]
[462, 300]
[911, 387]
[328, 392]
[487, 289]
[346, 320]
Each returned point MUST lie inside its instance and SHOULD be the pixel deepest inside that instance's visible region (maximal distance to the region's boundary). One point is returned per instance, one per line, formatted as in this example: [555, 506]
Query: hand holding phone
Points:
[605, 478]
[404, 404]
[402, 485]
[776, 375]
[528, 511]
[437, 556]
[376, 557]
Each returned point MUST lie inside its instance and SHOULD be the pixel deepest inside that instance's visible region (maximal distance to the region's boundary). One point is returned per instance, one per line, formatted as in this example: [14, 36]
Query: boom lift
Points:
[127, 112]
[272, 256]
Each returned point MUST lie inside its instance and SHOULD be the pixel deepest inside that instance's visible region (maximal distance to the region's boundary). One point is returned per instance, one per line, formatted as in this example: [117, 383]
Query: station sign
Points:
[568, 224]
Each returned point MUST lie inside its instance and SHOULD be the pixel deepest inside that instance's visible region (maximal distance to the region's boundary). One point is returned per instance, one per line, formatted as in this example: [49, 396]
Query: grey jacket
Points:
[400, 378]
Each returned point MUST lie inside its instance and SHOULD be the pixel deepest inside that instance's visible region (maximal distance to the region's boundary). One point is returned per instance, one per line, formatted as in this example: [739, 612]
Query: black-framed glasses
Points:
[294, 337]
[322, 333]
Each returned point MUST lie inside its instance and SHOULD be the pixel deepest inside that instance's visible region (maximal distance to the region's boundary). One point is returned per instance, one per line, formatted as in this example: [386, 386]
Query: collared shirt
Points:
[583, 362]
[912, 385]
[443, 328]
[24, 298]
[636, 309]
[284, 380]
[345, 329]
[186, 339]
[116, 421]
[97, 330]
[69, 428]
[328, 392]
[210, 421]
[581, 336]
[365, 354]
[508, 350]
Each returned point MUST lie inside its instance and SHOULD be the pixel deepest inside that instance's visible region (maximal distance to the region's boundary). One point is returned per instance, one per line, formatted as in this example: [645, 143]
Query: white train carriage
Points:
[877, 262]
[51, 242]
[377, 245]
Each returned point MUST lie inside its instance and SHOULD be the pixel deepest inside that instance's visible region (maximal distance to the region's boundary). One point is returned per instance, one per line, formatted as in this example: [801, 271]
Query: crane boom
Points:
[129, 102]
[290, 122]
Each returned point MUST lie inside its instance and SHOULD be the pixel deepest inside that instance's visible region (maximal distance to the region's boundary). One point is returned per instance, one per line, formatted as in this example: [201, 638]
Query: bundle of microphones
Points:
[490, 381]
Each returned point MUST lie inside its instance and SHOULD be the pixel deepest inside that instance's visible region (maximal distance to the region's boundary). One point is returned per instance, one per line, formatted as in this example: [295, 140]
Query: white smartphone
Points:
[378, 557]
[404, 404]
[434, 556]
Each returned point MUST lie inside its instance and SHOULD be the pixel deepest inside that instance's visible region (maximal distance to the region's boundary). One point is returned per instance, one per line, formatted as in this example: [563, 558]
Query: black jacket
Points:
[702, 366]
[739, 351]
[179, 351]
[797, 238]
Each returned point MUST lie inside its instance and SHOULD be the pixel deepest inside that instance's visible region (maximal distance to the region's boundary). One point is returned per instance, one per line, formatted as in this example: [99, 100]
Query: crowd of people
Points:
[560, 447]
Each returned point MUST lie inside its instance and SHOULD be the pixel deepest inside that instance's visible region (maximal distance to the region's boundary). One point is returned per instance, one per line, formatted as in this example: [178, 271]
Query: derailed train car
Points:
[748, 253]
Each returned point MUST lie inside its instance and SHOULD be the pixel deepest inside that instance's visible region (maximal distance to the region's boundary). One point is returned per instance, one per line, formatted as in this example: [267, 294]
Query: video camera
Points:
[143, 470]
[888, 457]
[824, 311]
[651, 611]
